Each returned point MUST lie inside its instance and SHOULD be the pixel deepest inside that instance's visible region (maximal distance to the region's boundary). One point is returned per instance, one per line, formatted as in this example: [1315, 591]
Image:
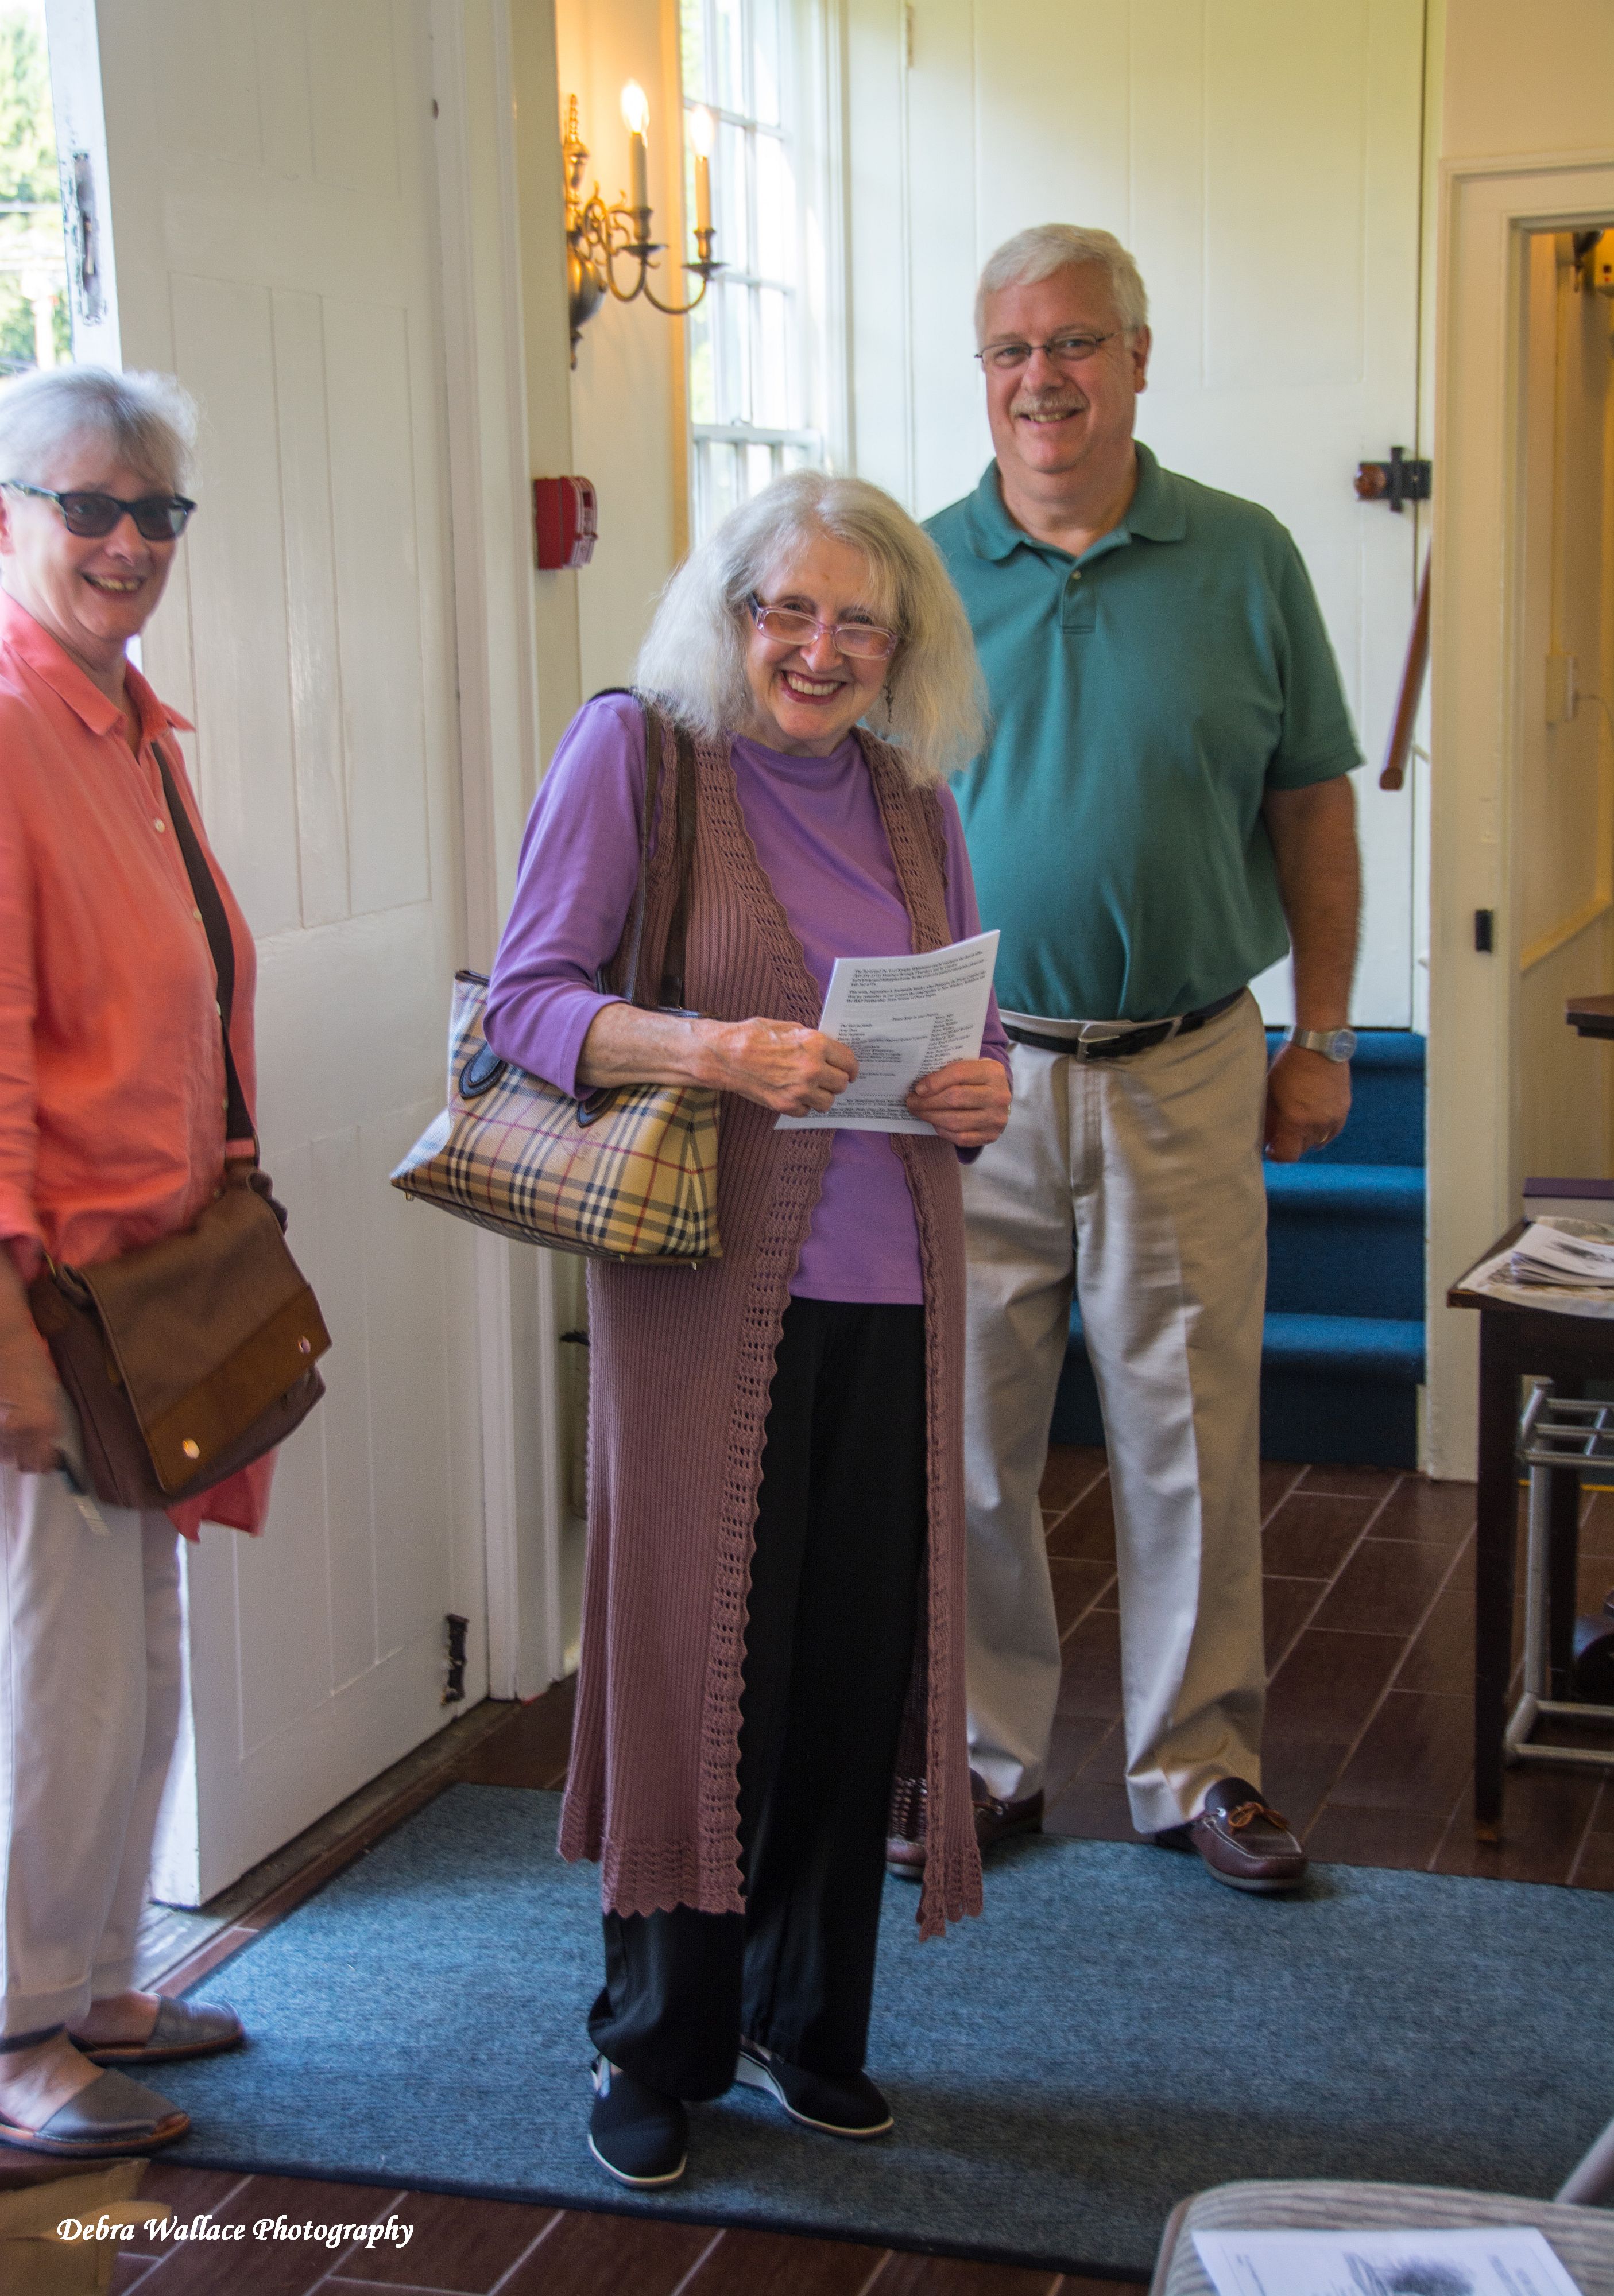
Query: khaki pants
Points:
[89, 1710]
[1137, 1181]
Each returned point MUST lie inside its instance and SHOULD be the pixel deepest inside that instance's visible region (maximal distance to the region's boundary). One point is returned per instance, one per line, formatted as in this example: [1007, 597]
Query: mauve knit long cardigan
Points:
[681, 1359]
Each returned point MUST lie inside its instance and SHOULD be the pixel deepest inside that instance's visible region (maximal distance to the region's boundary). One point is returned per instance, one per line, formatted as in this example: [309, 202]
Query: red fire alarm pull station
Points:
[565, 522]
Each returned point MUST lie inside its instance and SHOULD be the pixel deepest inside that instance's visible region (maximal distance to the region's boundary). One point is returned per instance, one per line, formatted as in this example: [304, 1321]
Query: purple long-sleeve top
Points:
[816, 825]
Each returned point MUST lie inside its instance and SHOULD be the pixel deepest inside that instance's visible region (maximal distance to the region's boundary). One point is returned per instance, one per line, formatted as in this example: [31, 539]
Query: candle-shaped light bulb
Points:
[702, 129]
[636, 112]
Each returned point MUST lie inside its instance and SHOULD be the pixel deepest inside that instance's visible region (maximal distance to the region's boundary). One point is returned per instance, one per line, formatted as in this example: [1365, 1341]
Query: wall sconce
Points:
[597, 234]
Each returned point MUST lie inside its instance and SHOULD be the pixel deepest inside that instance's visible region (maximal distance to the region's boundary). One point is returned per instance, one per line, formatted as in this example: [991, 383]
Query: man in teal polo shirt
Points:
[1162, 809]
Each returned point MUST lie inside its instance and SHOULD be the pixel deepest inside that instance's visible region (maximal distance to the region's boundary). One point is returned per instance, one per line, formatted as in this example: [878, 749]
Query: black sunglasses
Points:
[159, 518]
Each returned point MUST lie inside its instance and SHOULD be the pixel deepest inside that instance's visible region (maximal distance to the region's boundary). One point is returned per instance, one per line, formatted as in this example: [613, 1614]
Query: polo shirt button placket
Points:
[1077, 609]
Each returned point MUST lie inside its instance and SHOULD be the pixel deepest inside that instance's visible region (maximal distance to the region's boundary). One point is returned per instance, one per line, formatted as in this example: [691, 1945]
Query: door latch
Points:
[1403, 478]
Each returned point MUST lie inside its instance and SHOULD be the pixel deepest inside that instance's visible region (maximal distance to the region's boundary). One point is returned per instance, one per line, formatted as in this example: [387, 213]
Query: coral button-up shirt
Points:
[112, 1062]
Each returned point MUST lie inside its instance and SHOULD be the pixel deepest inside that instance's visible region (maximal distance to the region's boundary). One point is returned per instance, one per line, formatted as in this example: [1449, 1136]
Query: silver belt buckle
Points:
[1108, 1036]
[1100, 1035]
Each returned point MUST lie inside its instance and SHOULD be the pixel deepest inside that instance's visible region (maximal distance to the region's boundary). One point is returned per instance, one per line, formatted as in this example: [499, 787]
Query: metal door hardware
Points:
[454, 1689]
[83, 236]
[1403, 478]
[1485, 931]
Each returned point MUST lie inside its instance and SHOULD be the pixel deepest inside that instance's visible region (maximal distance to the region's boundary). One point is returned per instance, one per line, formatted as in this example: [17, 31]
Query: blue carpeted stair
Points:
[1343, 1358]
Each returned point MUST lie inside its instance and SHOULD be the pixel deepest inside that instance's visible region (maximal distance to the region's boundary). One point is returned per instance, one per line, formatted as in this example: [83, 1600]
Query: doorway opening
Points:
[1563, 787]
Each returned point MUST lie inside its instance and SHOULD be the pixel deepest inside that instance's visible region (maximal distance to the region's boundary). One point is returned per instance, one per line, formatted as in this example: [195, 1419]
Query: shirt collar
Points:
[1157, 512]
[45, 655]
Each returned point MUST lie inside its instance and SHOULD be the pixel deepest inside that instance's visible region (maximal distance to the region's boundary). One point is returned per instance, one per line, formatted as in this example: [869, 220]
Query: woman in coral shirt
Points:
[111, 1134]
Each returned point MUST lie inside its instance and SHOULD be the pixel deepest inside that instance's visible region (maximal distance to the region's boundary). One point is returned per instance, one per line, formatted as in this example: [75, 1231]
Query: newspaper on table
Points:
[1576, 1253]
[1483, 2260]
[1563, 1265]
[903, 1016]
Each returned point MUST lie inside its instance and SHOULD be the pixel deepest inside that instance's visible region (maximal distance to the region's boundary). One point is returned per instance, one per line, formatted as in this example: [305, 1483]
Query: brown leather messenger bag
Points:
[189, 1357]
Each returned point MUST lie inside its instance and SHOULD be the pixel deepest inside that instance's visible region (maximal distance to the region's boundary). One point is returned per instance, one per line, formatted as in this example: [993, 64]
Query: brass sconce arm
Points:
[598, 235]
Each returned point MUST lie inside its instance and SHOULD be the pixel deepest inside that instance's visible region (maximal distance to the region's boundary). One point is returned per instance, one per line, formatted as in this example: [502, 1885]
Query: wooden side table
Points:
[1517, 1343]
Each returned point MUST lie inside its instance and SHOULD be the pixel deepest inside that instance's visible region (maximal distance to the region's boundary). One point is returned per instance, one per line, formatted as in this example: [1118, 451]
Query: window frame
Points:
[809, 75]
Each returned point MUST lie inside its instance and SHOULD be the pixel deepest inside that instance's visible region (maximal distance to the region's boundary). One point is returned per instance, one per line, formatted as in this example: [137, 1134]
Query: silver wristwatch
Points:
[1333, 1044]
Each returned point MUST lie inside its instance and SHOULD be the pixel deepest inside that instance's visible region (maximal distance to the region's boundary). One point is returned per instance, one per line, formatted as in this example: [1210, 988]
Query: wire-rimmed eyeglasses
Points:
[1070, 350]
[858, 641]
[159, 518]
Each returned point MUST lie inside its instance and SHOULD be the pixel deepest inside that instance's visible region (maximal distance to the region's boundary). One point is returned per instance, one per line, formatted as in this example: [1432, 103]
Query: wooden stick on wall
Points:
[1411, 690]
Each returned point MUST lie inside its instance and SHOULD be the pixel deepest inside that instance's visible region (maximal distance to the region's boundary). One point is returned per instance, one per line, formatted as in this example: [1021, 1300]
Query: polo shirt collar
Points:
[1158, 511]
[45, 655]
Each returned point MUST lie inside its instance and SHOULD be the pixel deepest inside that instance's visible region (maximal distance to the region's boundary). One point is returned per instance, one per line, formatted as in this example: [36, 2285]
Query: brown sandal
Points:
[184, 2029]
[109, 2118]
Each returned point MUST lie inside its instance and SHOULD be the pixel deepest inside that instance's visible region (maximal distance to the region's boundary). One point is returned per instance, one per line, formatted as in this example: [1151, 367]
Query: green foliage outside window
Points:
[31, 214]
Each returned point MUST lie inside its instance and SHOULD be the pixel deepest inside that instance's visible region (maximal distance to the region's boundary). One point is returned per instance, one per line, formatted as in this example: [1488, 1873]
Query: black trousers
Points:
[840, 1537]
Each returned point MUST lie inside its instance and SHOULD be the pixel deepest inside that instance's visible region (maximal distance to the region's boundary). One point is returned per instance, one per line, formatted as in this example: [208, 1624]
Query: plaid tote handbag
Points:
[625, 1173]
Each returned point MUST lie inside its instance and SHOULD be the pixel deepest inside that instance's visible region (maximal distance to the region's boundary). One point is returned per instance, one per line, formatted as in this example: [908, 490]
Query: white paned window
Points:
[752, 410]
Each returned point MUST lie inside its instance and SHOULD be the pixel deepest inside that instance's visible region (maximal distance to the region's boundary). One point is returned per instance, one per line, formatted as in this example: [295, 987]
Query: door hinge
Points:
[454, 1689]
[83, 227]
[1485, 933]
[1403, 478]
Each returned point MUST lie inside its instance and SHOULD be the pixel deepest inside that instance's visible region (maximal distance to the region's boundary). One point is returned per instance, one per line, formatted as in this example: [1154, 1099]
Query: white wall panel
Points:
[337, 1189]
[310, 584]
[224, 346]
[377, 562]
[1261, 162]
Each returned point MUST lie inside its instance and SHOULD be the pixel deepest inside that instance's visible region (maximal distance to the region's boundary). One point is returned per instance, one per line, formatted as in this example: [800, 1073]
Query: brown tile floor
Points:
[1369, 1592]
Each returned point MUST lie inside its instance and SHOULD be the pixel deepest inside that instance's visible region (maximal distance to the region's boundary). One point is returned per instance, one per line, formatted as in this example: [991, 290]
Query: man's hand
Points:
[967, 1102]
[1308, 1097]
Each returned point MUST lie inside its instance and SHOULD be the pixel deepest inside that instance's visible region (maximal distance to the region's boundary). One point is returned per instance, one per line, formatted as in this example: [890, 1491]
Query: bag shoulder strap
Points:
[686, 801]
[216, 924]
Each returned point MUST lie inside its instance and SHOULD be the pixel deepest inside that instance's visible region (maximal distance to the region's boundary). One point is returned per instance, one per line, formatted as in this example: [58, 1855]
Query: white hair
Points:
[1047, 248]
[147, 421]
[694, 657]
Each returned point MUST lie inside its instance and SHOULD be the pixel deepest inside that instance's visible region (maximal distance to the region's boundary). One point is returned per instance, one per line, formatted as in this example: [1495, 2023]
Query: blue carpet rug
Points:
[1115, 2032]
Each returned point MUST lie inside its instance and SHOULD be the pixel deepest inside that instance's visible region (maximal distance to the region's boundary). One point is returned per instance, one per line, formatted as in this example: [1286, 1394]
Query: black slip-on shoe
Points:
[841, 2107]
[637, 2135]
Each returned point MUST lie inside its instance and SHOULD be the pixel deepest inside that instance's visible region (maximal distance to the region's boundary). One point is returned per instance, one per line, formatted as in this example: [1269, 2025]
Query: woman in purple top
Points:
[736, 1777]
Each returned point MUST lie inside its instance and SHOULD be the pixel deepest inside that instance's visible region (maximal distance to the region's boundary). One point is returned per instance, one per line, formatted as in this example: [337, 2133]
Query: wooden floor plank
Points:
[952, 2275]
[1385, 1587]
[585, 2254]
[456, 2244]
[251, 2266]
[782, 2264]
[1310, 1537]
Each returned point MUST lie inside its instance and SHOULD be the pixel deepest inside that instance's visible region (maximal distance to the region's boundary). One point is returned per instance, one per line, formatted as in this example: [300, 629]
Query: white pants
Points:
[1139, 1182]
[89, 1709]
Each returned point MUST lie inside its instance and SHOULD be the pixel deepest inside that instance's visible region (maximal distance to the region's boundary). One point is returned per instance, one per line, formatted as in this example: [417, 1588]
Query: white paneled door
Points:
[1262, 161]
[271, 190]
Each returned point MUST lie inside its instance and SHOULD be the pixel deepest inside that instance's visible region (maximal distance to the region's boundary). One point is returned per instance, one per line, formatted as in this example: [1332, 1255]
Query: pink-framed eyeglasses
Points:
[789, 626]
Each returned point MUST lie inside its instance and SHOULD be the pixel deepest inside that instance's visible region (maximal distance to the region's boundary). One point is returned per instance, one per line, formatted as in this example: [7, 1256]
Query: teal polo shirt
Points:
[1144, 699]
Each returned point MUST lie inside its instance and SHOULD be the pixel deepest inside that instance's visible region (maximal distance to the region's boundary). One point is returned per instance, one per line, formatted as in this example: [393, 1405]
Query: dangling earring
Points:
[886, 697]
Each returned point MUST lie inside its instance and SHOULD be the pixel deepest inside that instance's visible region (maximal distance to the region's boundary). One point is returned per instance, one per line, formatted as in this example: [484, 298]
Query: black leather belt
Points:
[1122, 1047]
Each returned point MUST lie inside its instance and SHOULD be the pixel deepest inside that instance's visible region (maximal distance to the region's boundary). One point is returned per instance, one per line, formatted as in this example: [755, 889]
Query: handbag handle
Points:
[685, 799]
[209, 902]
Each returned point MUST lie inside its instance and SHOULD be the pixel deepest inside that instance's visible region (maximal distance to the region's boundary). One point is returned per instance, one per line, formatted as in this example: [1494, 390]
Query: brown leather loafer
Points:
[995, 1821]
[1241, 1841]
